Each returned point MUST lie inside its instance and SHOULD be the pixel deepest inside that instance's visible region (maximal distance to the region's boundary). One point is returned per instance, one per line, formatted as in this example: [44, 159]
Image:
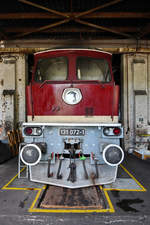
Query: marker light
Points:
[112, 131]
[32, 131]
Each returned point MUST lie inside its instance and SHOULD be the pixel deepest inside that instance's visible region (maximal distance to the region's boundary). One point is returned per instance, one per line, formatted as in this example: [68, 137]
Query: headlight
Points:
[32, 131]
[30, 154]
[38, 131]
[72, 96]
[113, 155]
[106, 131]
[112, 131]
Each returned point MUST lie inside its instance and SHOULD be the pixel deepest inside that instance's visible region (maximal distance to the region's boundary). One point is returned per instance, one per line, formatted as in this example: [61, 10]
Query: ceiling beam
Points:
[70, 29]
[94, 15]
[103, 28]
[44, 8]
[39, 29]
[117, 15]
[97, 8]
[75, 15]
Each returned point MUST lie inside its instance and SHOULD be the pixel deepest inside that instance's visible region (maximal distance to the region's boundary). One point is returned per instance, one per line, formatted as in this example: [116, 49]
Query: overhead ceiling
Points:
[75, 19]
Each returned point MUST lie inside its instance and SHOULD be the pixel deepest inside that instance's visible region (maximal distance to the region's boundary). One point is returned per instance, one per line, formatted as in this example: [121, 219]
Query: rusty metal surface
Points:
[58, 197]
[113, 45]
[33, 49]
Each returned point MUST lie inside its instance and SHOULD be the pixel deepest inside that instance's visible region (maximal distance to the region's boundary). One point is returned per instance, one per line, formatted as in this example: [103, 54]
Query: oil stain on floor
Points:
[125, 204]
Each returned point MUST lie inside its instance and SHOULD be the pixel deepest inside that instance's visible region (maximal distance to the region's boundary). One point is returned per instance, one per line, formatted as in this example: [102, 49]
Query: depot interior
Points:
[116, 26]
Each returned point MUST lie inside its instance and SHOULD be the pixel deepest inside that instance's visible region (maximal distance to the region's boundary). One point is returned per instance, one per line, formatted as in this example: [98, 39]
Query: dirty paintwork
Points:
[12, 98]
[105, 95]
[136, 76]
[12, 91]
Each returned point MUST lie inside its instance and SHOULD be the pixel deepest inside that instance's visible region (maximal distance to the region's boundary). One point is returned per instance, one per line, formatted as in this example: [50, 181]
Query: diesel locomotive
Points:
[72, 134]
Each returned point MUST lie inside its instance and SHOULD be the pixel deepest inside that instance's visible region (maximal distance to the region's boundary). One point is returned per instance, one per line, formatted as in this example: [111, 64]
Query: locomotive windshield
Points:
[88, 68]
[93, 69]
[51, 69]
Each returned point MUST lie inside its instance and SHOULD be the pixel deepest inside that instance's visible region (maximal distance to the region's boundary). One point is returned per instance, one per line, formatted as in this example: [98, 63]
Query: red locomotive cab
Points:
[72, 85]
[72, 131]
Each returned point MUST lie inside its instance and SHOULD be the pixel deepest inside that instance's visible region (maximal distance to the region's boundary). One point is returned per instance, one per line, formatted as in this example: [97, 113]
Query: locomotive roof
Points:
[73, 48]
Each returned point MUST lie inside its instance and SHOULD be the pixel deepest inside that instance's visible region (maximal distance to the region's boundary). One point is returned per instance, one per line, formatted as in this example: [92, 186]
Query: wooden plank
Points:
[83, 198]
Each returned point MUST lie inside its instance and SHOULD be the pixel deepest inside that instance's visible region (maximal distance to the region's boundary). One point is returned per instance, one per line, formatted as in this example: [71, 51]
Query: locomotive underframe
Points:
[89, 142]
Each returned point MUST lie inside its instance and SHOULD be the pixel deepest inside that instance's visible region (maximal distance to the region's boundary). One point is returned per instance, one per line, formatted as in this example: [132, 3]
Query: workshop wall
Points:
[13, 69]
[136, 103]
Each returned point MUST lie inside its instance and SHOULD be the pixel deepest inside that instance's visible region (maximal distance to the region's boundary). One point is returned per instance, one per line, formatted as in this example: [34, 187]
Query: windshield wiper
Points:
[106, 75]
[45, 82]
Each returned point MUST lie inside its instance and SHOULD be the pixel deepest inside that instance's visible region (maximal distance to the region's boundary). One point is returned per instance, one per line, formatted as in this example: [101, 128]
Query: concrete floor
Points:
[18, 199]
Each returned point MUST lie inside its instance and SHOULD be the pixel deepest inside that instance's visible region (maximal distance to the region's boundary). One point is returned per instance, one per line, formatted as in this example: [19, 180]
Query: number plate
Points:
[72, 132]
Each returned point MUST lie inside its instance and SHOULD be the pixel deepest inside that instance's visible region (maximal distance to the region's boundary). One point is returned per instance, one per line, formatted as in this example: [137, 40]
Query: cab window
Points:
[93, 69]
[51, 69]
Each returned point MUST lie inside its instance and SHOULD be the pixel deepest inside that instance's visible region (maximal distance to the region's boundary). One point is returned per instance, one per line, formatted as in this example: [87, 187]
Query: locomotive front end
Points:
[72, 136]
